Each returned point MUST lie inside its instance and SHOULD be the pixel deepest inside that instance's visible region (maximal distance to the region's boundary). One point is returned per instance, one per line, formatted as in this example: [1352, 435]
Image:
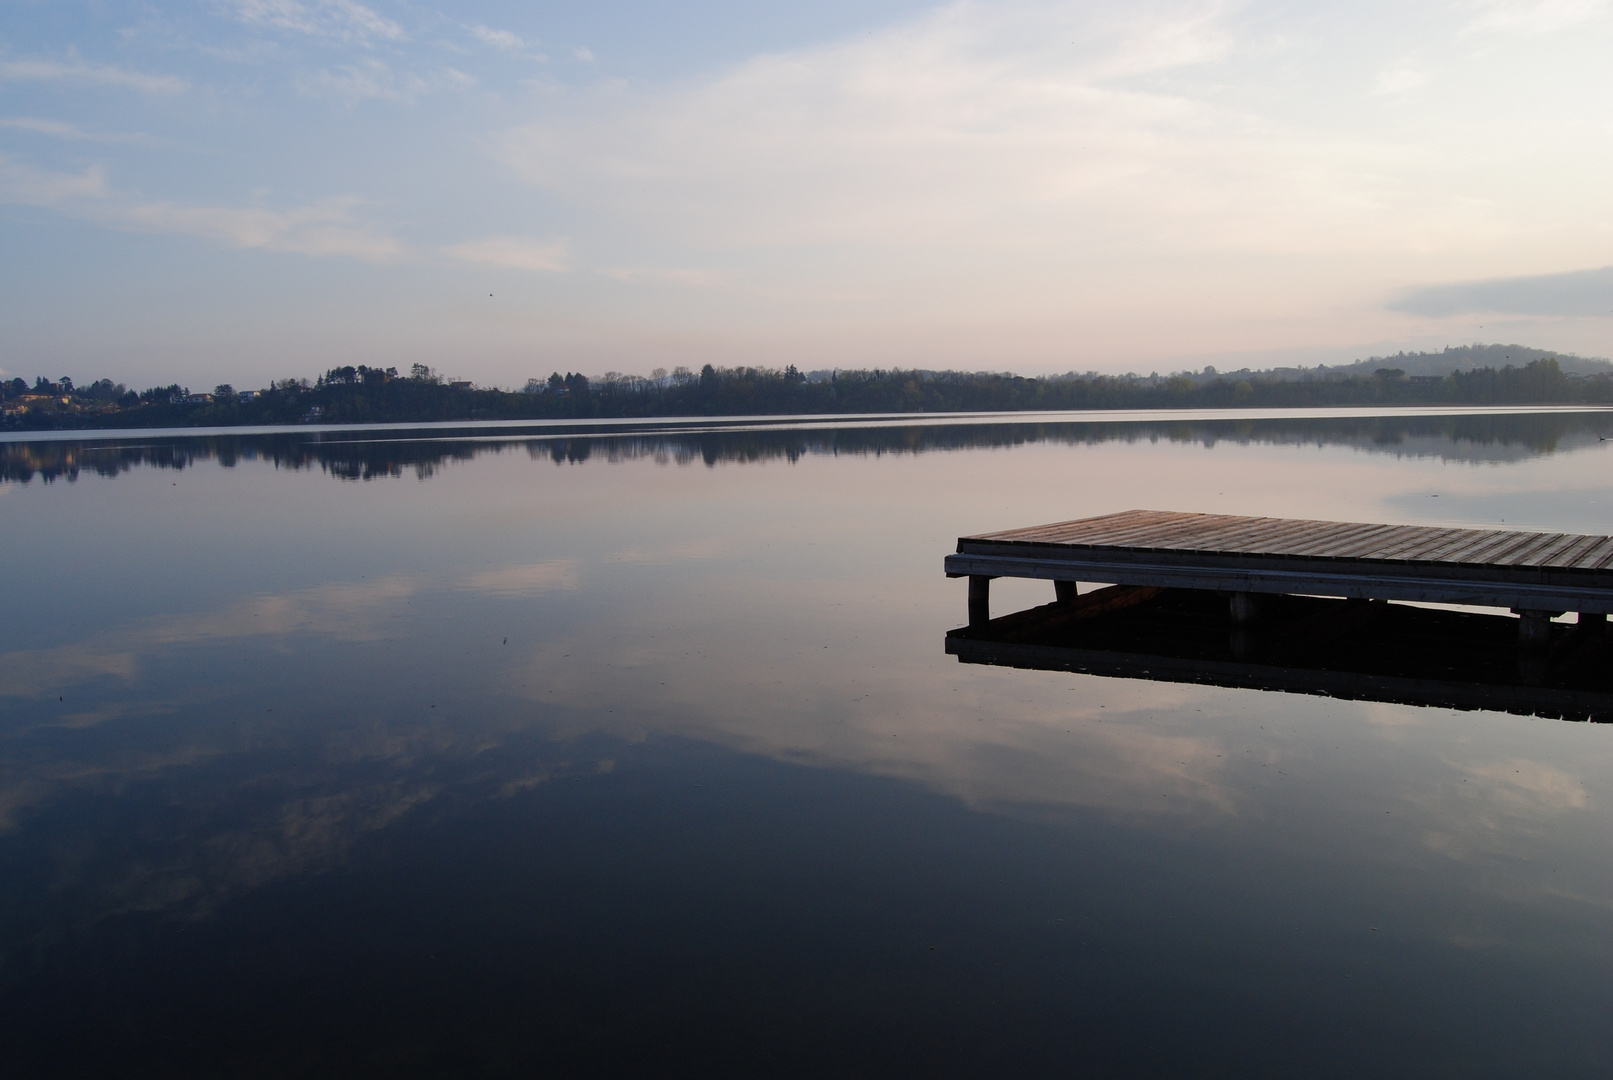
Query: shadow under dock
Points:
[1367, 650]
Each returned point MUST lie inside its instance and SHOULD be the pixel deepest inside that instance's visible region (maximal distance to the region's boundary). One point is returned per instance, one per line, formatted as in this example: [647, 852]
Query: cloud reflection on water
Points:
[796, 616]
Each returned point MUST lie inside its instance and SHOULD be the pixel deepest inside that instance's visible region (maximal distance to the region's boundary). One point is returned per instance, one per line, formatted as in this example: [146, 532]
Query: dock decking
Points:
[1538, 575]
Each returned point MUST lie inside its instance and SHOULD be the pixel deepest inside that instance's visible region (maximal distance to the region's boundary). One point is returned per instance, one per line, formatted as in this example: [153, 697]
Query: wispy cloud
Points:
[515, 252]
[499, 39]
[1398, 80]
[973, 124]
[1533, 787]
[25, 185]
[666, 275]
[74, 70]
[344, 20]
[1575, 293]
[325, 228]
[562, 575]
[1532, 16]
[372, 80]
[61, 130]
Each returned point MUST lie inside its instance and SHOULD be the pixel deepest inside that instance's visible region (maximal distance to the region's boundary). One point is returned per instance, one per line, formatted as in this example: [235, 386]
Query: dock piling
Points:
[1534, 627]
[979, 600]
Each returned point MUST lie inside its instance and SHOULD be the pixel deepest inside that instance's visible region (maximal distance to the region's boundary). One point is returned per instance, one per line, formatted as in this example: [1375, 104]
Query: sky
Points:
[242, 190]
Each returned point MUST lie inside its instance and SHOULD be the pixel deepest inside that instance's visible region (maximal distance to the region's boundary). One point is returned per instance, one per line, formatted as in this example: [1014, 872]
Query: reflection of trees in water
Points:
[364, 456]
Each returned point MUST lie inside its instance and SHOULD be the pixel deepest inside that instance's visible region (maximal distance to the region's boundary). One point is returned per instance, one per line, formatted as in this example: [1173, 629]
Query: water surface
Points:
[515, 751]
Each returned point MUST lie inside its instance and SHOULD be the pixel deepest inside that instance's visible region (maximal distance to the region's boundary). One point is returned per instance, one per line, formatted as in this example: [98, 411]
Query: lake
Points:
[636, 750]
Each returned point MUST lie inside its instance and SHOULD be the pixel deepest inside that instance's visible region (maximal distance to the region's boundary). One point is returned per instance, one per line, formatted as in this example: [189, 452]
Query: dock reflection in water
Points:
[1363, 650]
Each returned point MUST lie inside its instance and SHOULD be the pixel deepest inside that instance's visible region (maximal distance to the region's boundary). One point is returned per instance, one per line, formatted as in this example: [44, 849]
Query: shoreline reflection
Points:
[368, 455]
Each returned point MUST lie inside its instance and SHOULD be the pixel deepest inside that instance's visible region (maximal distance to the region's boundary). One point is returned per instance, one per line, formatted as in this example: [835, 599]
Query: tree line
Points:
[363, 394]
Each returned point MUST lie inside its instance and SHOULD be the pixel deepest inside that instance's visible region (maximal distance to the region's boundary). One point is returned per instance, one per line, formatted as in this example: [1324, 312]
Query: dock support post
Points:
[1534, 627]
[1064, 592]
[979, 600]
[1243, 607]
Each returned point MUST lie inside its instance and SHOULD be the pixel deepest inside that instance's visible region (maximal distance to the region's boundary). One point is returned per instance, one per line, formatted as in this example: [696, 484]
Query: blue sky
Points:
[239, 190]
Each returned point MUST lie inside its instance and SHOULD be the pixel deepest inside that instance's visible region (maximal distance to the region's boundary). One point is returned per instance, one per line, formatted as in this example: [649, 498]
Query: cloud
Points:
[24, 185]
[1575, 293]
[1398, 80]
[515, 252]
[1530, 787]
[1031, 179]
[77, 71]
[373, 80]
[340, 19]
[60, 130]
[556, 576]
[350, 610]
[323, 228]
[498, 39]
[583, 53]
[1014, 129]
[666, 275]
[1532, 16]
[40, 672]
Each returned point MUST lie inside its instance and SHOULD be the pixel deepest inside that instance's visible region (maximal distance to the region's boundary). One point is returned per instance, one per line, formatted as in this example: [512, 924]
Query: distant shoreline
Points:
[349, 396]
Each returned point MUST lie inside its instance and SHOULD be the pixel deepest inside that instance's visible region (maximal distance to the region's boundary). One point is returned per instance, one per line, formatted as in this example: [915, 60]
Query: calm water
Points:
[526, 753]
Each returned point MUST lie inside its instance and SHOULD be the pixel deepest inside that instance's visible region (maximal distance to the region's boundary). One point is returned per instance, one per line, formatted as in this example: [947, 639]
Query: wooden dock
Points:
[1536, 575]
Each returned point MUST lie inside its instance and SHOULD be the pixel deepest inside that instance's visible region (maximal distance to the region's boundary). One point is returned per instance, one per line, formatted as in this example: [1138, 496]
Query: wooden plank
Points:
[1535, 552]
[1432, 546]
[1582, 548]
[1502, 554]
[1347, 541]
[1304, 538]
[1139, 532]
[1459, 541]
[1561, 544]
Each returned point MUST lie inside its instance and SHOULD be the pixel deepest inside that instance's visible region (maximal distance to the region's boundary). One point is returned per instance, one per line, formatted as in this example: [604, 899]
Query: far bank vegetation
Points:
[364, 394]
